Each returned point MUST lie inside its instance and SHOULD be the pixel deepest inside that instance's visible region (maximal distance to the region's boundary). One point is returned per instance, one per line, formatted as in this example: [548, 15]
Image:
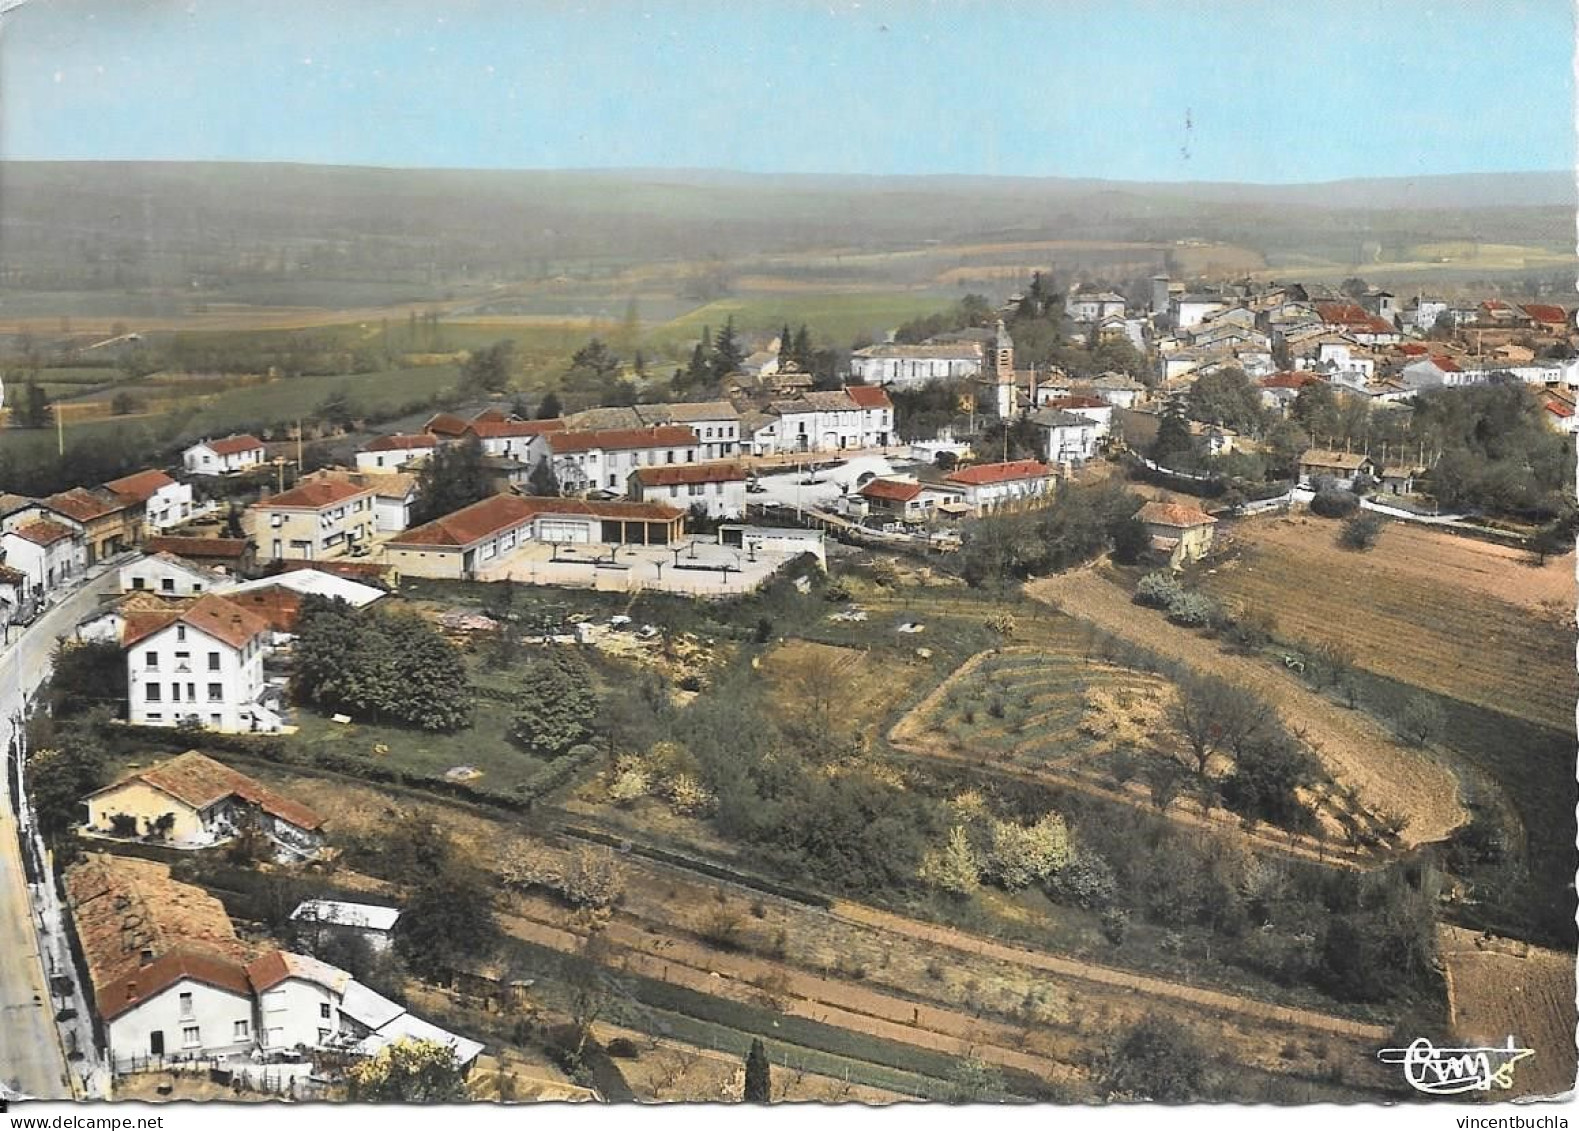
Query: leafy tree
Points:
[1315, 409]
[759, 1074]
[1157, 1059]
[446, 922]
[59, 776]
[336, 410]
[390, 666]
[1227, 398]
[1131, 541]
[452, 478]
[86, 674]
[802, 354]
[558, 706]
[408, 1070]
[1286, 441]
[488, 370]
[1267, 775]
[955, 868]
[124, 404]
[1158, 590]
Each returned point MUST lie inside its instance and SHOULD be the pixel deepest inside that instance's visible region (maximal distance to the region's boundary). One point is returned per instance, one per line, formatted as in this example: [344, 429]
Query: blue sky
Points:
[1320, 90]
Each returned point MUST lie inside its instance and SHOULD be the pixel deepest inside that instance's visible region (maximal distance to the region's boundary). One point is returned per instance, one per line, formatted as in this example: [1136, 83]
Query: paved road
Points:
[31, 1060]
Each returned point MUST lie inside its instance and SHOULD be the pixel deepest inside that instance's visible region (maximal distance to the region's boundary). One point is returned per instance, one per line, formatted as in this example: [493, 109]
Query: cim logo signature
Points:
[1452, 1072]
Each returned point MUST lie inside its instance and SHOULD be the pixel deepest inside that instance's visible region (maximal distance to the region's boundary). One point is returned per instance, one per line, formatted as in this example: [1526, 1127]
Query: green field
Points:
[831, 316]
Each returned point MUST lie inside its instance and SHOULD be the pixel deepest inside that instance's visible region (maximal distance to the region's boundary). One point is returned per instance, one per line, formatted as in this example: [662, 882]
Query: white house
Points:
[877, 415]
[166, 501]
[1091, 306]
[991, 486]
[815, 422]
[371, 922]
[1064, 437]
[391, 453]
[511, 439]
[909, 367]
[603, 460]
[230, 456]
[1119, 389]
[50, 553]
[716, 424]
[299, 1000]
[718, 488]
[1190, 310]
[168, 576]
[1438, 373]
[204, 661]
[1094, 409]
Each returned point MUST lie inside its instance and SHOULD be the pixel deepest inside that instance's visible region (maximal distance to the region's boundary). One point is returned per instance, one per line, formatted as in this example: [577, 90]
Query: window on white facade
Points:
[186, 1005]
[151, 660]
[152, 693]
[216, 692]
[167, 584]
[213, 661]
[191, 1037]
[242, 1030]
[324, 1011]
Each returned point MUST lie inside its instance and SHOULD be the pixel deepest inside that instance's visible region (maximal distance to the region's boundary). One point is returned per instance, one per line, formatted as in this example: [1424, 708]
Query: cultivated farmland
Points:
[1468, 620]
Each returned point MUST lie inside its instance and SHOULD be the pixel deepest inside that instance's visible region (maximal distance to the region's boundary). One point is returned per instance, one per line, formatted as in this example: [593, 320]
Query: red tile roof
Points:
[229, 548]
[234, 445]
[986, 473]
[142, 932]
[498, 429]
[1547, 315]
[1414, 349]
[398, 442]
[276, 604]
[891, 490]
[1173, 514]
[675, 474]
[489, 415]
[1073, 402]
[1295, 380]
[1557, 408]
[445, 424]
[197, 780]
[622, 439]
[501, 512]
[83, 505]
[1446, 364]
[210, 614]
[869, 396]
[42, 532]
[1343, 314]
[141, 485]
[314, 494]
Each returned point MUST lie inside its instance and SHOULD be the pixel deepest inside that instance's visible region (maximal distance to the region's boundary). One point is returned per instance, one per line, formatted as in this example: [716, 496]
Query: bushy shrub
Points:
[1086, 881]
[1191, 610]
[1158, 590]
[1361, 530]
[1336, 503]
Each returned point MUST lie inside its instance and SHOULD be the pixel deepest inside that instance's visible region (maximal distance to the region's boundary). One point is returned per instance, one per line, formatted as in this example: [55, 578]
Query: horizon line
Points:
[695, 170]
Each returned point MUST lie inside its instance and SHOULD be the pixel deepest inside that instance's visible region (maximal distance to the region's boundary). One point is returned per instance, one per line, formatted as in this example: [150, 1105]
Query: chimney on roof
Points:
[146, 956]
[131, 991]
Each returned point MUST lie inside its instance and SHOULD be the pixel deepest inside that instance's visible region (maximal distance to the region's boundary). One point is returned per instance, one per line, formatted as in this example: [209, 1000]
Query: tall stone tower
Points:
[1003, 399]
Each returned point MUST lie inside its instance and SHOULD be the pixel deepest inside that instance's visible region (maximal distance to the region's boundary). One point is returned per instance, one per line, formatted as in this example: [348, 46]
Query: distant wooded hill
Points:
[206, 227]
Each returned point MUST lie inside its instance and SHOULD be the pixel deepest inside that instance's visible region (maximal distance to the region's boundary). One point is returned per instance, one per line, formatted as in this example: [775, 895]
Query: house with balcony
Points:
[316, 519]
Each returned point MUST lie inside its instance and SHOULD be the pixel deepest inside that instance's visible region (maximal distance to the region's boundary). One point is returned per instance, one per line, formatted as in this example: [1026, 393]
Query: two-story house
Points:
[510, 439]
[202, 661]
[716, 424]
[230, 456]
[168, 576]
[990, 487]
[49, 553]
[877, 415]
[109, 522]
[316, 519]
[717, 488]
[1064, 437]
[830, 421]
[910, 367]
[166, 502]
[299, 1000]
[602, 461]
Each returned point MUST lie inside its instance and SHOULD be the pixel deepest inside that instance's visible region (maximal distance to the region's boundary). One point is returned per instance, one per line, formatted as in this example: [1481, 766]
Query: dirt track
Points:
[1356, 750]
